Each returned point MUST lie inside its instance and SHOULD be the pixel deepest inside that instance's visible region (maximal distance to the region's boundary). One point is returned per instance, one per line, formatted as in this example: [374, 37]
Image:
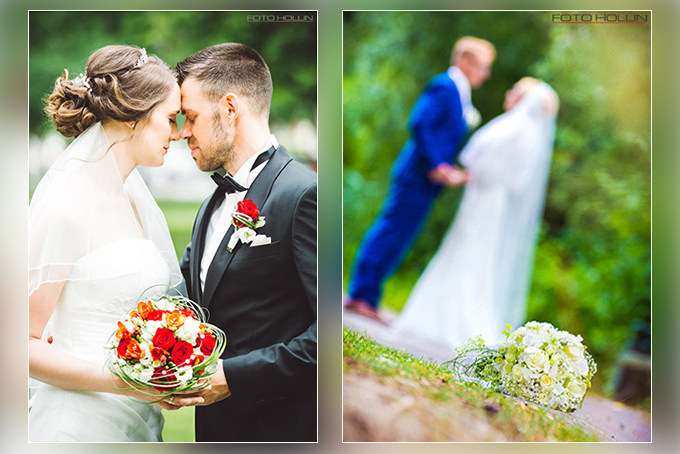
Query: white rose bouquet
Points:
[537, 362]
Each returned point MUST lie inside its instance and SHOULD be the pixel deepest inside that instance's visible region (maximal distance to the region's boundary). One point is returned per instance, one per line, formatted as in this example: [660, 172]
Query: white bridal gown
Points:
[81, 325]
[107, 240]
[478, 280]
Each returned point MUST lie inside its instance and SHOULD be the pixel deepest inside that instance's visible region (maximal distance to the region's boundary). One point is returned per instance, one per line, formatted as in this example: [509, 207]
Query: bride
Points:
[478, 280]
[97, 240]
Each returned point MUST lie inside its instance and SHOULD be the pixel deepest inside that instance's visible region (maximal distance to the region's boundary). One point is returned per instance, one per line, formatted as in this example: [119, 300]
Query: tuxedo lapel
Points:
[258, 193]
[198, 240]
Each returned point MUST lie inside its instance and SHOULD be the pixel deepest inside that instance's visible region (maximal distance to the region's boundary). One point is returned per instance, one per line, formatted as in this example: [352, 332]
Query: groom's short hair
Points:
[229, 67]
[472, 45]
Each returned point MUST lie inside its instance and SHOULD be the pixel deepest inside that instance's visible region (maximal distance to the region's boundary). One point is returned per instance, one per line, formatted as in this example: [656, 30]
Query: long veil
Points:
[82, 204]
[479, 279]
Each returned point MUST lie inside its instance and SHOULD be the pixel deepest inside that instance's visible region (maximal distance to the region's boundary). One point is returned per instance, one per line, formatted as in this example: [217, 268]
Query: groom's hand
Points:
[217, 391]
[447, 175]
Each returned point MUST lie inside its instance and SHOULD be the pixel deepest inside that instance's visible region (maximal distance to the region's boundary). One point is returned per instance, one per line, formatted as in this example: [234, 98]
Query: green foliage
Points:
[65, 39]
[592, 273]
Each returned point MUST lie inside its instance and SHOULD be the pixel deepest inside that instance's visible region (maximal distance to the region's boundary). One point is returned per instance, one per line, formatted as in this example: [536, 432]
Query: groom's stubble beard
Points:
[221, 153]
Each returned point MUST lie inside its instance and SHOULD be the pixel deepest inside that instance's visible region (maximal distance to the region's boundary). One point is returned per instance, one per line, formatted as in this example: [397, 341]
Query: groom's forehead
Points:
[192, 98]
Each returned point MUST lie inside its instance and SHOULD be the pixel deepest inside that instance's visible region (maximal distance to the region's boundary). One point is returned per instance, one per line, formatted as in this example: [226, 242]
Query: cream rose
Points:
[577, 388]
[574, 352]
[546, 381]
[517, 374]
[537, 360]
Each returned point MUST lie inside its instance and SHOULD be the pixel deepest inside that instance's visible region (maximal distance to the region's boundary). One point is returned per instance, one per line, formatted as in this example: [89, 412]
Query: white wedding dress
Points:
[107, 240]
[81, 325]
[479, 278]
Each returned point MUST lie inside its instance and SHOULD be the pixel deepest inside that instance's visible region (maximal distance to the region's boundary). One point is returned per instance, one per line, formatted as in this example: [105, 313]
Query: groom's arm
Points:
[430, 124]
[184, 266]
[286, 367]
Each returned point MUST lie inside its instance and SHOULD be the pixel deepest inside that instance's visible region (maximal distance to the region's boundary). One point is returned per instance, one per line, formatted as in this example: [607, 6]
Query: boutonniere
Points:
[246, 218]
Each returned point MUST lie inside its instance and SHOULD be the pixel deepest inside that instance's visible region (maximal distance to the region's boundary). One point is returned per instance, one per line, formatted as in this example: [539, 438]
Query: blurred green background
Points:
[65, 39]
[592, 273]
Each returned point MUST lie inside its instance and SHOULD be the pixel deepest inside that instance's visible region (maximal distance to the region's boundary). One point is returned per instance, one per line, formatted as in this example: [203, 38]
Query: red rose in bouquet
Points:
[187, 312]
[163, 375]
[164, 338]
[156, 315]
[182, 352]
[207, 343]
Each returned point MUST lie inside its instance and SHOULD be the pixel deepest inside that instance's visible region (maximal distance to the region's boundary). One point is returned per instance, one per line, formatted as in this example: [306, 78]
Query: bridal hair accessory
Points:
[142, 59]
[246, 218]
[165, 343]
[82, 80]
[537, 363]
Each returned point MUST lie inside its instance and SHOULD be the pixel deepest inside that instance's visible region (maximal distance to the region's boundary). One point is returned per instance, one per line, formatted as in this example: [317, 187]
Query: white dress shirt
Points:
[470, 113]
[221, 217]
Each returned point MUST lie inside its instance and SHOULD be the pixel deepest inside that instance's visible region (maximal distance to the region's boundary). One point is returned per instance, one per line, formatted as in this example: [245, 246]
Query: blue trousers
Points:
[389, 239]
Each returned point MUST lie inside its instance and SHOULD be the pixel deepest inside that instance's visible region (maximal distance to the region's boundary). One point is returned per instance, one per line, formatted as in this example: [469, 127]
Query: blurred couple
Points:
[478, 280]
[97, 240]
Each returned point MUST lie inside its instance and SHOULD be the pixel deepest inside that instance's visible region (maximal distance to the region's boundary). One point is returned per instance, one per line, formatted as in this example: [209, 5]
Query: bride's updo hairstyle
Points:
[121, 83]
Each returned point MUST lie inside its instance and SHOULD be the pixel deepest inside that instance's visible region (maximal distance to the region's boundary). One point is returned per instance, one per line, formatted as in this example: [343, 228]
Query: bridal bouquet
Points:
[165, 343]
[537, 362]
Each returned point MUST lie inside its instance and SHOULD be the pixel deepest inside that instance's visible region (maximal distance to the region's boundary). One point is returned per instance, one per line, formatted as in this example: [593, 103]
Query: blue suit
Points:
[437, 130]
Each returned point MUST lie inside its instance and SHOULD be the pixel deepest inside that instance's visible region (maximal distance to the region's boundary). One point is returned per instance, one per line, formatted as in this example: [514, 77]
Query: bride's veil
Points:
[514, 150]
[82, 205]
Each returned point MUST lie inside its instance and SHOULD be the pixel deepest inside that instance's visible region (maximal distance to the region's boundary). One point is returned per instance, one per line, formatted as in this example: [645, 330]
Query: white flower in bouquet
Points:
[147, 359]
[189, 330]
[577, 388]
[184, 374]
[547, 382]
[537, 362]
[150, 329]
[518, 373]
[165, 304]
[574, 352]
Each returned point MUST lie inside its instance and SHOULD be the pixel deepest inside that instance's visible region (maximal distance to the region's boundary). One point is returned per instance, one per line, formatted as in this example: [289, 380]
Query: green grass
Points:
[179, 425]
[439, 393]
[180, 217]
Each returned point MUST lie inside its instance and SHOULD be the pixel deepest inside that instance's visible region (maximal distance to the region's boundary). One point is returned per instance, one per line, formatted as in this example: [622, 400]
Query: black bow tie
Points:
[227, 182]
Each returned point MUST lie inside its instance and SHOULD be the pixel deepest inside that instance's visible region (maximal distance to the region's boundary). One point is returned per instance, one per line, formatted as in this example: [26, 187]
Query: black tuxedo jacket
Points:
[265, 300]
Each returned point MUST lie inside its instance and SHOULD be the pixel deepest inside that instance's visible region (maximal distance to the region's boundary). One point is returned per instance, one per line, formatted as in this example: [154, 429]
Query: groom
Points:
[439, 121]
[261, 293]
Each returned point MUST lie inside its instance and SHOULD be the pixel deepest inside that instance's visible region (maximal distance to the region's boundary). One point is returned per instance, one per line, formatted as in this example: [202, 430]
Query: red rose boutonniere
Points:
[246, 218]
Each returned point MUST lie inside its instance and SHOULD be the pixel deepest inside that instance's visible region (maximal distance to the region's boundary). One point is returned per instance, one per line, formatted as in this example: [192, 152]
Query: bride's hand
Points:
[448, 175]
[146, 394]
[457, 177]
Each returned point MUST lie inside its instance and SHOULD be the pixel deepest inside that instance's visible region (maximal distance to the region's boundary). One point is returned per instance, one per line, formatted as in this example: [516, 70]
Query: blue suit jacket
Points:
[437, 130]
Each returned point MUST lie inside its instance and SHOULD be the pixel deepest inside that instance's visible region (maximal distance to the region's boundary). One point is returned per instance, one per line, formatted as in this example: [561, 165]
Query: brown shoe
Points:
[361, 307]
